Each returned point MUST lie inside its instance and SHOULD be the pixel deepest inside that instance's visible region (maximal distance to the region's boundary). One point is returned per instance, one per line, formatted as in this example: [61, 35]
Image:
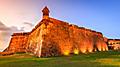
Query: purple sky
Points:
[99, 15]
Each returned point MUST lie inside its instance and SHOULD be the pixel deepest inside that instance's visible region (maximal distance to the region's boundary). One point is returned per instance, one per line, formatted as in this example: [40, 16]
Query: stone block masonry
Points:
[52, 37]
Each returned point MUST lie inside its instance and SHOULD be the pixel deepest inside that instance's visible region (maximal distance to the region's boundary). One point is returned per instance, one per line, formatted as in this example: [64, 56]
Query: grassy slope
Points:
[98, 59]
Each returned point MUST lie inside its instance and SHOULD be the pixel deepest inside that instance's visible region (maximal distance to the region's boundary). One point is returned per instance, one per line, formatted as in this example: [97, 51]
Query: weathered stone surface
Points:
[52, 37]
[114, 44]
[69, 38]
[18, 43]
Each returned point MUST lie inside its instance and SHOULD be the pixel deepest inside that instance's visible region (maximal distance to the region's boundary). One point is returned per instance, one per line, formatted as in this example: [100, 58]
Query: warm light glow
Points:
[90, 47]
[99, 47]
[106, 48]
[66, 53]
[83, 48]
[90, 50]
[103, 49]
[76, 51]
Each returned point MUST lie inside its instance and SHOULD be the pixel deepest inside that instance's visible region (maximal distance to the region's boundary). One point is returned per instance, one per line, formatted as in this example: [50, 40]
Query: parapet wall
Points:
[18, 42]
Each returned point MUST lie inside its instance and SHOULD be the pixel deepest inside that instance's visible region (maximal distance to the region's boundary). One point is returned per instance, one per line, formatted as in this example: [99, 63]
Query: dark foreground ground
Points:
[98, 59]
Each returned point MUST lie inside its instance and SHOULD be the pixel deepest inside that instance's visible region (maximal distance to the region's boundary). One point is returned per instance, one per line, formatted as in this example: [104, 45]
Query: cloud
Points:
[30, 24]
[27, 26]
[3, 27]
[5, 34]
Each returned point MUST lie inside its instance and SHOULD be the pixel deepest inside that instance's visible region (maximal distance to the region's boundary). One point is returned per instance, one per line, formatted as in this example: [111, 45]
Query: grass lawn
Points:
[97, 59]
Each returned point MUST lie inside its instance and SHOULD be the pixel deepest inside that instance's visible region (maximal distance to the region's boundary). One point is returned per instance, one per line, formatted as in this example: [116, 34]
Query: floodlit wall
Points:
[17, 43]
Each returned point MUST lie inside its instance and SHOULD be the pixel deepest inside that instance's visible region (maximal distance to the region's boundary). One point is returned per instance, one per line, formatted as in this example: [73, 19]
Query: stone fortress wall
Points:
[18, 42]
[114, 44]
[52, 37]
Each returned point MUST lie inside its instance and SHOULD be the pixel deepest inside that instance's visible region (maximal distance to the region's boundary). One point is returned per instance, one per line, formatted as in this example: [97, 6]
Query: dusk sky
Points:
[23, 15]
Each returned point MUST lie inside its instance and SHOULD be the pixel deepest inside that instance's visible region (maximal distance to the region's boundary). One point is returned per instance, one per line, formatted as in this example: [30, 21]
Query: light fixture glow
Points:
[76, 51]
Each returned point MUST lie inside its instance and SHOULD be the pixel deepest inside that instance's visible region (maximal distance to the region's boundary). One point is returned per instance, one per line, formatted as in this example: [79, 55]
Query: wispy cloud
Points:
[27, 26]
[27, 23]
[5, 34]
[3, 27]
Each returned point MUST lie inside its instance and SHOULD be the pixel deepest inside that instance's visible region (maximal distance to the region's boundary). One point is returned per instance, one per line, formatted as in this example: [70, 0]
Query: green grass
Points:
[97, 59]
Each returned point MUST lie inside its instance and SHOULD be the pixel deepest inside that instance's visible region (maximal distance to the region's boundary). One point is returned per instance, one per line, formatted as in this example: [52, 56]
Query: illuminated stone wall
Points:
[35, 40]
[114, 44]
[62, 39]
[52, 37]
[17, 43]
